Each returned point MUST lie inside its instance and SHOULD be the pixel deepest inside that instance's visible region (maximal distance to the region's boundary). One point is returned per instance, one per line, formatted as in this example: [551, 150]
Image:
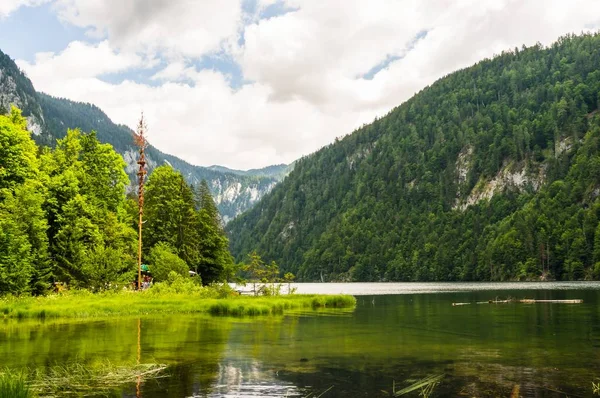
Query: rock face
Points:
[517, 176]
[49, 118]
[17, 90]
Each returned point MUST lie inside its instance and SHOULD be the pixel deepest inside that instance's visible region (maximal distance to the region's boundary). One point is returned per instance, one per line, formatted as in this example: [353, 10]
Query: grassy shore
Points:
[82, 304]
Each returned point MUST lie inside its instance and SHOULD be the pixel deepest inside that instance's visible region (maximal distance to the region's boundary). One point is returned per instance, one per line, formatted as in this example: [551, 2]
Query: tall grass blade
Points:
[426, 385]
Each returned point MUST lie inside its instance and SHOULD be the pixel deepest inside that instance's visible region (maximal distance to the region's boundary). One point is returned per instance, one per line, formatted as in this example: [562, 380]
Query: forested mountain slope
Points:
[491, 173]
[49, 118]
[278, 171]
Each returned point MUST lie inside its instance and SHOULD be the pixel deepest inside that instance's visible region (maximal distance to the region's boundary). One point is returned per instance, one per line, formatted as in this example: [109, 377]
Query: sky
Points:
[251, 83]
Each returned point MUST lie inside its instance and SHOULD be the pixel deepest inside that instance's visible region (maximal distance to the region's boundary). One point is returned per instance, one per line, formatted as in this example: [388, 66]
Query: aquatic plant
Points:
[320, 395]
[103, 377]
[75, 379]
[14, 385]
[425, 385]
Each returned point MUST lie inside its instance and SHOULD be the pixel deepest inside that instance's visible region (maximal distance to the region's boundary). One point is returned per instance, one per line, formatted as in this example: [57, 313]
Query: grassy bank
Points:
[82, 304]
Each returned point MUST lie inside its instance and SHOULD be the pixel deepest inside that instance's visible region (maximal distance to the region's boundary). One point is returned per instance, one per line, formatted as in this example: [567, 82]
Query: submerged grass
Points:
[83, 304]
[75, 379]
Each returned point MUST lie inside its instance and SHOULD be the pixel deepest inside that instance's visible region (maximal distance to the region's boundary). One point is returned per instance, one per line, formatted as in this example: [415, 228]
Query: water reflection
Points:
[249, 379]
[482, 350]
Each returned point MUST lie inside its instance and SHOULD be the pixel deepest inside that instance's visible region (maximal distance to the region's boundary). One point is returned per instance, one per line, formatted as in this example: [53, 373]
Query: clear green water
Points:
[548, 350]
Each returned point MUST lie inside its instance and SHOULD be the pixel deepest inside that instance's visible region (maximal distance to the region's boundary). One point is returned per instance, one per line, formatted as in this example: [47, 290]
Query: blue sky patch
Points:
[392, 58]
[30, 30]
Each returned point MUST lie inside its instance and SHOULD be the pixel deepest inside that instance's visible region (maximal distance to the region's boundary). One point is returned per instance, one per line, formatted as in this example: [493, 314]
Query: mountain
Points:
[491, 173]
[49, 118]
[278, 171]
[233, 192]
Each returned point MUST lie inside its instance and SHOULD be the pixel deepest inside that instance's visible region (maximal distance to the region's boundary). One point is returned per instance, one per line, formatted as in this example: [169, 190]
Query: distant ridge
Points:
[49, 118]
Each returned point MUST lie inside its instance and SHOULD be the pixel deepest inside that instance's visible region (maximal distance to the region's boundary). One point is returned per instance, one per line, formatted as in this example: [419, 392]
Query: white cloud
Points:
[81, 60]
[306, 67]
[175, 27]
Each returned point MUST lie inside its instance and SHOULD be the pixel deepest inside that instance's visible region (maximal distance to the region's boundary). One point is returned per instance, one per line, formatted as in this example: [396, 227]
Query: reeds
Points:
[75, 379]
[14, 385]
[425, 386]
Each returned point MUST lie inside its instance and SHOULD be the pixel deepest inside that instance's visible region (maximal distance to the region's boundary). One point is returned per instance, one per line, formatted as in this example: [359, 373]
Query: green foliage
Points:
[18, 161]
[64, 217]
[398, 199]
[163, 262]
[105, 266]
[24, 263]
[175, 283]
[86, 212]
[15, 258]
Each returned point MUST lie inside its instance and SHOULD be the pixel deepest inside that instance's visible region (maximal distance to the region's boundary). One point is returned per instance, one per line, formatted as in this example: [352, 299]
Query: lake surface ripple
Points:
[398, 334]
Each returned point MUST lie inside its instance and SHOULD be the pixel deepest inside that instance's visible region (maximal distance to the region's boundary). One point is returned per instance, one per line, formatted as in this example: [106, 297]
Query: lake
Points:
[398, 334]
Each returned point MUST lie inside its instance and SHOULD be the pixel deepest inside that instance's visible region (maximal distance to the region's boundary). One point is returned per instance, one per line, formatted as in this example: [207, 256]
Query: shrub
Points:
[105, 267]
[177, 284]
[163, 261]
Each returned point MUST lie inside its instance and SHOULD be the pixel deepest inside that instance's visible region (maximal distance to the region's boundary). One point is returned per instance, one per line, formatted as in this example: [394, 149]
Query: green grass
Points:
[14, 385]
[82, 304]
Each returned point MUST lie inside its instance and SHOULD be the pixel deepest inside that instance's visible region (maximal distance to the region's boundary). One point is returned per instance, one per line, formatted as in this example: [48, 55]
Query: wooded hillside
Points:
[491, 173]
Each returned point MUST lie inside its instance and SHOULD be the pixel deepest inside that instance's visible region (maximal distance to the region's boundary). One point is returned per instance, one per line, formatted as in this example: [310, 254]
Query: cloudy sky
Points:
[249, 83]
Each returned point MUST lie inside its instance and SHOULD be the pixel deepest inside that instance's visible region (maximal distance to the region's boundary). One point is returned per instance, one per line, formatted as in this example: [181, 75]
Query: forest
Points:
[65, 217]
[492, 173]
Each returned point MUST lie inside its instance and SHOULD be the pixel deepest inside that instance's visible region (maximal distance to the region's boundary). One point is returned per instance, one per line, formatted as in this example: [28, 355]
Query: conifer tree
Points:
[170, 214]
[214, 255]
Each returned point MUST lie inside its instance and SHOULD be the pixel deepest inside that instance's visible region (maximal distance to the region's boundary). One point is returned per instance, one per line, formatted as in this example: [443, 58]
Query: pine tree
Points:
[170, 214]
[214, 255]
